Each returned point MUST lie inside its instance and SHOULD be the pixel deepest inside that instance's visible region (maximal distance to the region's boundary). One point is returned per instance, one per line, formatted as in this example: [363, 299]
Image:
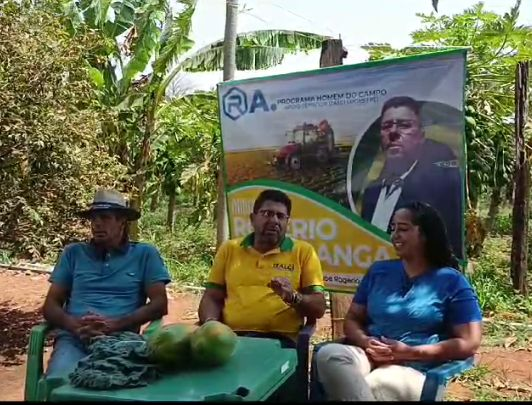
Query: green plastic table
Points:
[256, 370]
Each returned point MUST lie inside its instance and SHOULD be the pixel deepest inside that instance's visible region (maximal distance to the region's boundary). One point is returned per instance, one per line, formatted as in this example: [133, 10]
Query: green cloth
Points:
[116, 361]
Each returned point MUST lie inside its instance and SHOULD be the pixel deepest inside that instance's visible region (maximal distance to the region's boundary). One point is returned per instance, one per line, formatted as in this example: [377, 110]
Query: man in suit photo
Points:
[415, 168]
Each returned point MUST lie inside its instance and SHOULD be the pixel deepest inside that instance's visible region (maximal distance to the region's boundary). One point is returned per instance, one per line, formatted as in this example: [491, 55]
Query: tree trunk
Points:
[494, 208]
[170, 217]
[332, 53]
[141, 163]
[520, 213]
[135, 203]
[231, 22]
[154, 204]
[231, 14]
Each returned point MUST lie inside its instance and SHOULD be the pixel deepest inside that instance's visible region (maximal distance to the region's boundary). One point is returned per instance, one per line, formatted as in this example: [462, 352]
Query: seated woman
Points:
[407, 316]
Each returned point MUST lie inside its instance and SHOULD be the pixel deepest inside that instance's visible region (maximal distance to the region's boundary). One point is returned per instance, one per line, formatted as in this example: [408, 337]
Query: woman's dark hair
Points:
[438, 249]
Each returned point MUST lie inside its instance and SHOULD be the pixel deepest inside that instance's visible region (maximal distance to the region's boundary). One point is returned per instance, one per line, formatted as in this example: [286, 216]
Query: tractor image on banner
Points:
[348, 145]
[307, 144]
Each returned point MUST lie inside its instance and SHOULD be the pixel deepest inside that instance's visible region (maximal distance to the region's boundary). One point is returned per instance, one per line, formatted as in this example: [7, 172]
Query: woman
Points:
[407, 316]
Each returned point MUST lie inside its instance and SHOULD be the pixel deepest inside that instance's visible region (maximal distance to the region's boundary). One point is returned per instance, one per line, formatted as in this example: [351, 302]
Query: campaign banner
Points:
[349, 144]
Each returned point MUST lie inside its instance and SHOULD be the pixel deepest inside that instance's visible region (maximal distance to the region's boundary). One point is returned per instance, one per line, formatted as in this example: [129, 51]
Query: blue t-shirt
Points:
[416, 311]
[112, 285]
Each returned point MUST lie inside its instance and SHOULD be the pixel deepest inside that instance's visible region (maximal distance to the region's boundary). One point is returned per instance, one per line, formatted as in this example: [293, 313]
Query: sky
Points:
[356, 22]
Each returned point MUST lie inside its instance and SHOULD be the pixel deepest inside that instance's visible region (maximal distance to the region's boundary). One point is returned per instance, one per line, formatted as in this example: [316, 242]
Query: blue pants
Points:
[68, 350]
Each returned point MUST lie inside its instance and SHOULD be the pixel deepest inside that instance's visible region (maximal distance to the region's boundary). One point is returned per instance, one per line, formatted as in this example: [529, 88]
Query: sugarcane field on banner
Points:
[349, 145]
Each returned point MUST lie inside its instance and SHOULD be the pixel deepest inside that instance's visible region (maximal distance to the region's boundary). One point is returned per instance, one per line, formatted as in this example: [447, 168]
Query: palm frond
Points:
[255, 50]
[148, 21]
[175, 40]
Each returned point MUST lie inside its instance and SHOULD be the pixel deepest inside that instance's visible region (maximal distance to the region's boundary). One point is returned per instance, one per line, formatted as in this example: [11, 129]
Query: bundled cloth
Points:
[115, 361]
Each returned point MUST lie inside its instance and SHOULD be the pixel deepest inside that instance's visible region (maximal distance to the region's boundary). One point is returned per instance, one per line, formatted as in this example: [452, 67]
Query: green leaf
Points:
[124, 17]
[97, 77]
[147, 30]
[74, 16]
[470, 121]
[95, 12]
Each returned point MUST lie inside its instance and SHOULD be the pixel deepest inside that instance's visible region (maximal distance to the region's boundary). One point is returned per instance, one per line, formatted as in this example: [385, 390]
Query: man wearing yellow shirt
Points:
[265, 284]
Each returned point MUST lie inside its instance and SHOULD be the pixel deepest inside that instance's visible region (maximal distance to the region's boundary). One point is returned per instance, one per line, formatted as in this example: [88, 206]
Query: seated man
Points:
[264, 284]
[100, 287]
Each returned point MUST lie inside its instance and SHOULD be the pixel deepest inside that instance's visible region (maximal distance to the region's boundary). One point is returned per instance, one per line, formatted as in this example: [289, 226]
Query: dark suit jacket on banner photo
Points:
[433, 178]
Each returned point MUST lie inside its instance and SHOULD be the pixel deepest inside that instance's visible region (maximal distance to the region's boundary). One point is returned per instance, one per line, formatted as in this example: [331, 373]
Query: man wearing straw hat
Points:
[105, 285]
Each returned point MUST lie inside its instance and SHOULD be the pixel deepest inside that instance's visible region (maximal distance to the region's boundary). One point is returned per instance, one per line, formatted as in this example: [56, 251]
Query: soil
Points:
[23, 295]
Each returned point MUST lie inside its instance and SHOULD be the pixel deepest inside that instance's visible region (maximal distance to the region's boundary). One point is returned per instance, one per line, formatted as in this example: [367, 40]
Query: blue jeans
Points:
[68, 350]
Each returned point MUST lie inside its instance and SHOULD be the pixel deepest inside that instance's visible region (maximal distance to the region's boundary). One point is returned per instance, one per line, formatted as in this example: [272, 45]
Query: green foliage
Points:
[144, 43]
[50, 162]
[187, 152]
[174, 39]
[503, 224]
[5, 256]
[188, 251]
[492, 282]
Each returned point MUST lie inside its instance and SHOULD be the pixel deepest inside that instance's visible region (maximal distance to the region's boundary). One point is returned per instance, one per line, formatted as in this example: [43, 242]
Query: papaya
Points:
[169, 346]
[212, 344]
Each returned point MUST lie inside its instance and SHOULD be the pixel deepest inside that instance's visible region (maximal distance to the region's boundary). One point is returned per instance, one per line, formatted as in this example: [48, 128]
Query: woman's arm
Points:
[464, 344]
[465, 316]
[354, 326]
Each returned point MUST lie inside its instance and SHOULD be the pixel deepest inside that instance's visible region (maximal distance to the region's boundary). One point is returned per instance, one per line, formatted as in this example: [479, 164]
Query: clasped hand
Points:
[92, 325]
[387, 351]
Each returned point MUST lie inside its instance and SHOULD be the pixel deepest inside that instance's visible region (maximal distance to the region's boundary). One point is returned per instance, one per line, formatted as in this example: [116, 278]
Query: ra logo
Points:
[235, 103]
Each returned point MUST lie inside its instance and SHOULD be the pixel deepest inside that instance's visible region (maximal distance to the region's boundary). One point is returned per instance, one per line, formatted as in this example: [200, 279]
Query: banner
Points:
[348, 144]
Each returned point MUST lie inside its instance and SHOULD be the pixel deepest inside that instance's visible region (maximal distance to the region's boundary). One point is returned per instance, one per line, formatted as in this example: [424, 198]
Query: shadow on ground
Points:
[15, 326]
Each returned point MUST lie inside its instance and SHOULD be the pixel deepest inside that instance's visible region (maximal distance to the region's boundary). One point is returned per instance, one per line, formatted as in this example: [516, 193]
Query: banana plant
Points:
[187, 153]
[147, 46]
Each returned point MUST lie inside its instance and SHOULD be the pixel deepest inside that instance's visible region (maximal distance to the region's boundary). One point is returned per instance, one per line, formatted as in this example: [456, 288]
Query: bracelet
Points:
[296, 299]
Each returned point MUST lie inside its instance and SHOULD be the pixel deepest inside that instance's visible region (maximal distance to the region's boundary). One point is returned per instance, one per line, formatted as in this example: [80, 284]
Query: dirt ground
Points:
[23, 294]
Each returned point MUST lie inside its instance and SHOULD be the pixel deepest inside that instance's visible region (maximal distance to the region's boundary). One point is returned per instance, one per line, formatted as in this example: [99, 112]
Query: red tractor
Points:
[306, 143]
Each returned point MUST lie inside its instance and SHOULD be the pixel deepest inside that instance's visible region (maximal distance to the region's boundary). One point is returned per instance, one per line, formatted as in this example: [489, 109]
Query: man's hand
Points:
[96, 325]
[283, 288]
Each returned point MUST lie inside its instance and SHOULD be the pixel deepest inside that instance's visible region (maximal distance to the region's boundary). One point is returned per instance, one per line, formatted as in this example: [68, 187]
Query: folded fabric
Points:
[116, 361]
